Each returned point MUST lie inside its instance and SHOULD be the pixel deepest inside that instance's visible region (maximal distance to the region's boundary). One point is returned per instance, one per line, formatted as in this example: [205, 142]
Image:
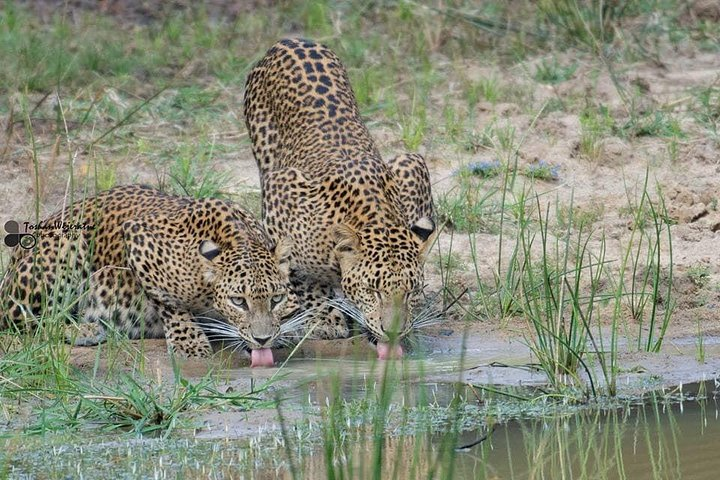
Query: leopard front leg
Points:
[115, 305]
[182, 334]
[324, 322]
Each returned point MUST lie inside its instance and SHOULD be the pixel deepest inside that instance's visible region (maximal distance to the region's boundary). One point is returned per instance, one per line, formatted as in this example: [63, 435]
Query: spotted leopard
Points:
[149, 264]
[360, 226]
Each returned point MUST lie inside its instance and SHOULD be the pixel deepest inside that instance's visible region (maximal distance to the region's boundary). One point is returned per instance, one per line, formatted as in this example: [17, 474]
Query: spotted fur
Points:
[154, 265]
[358, 224]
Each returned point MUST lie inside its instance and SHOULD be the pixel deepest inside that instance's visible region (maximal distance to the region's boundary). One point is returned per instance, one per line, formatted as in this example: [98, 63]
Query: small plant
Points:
[699, 275]
[468, 207]
[135, 404]
[192, 173]
[487, 89]
[543, 171]
[413, 130]
[508, 274]
[413, 126]
[554, 104]
[366, 84]
[656, 124]
[595, 126]
[194, 98]
[505, 141]
[316, 15]
[105, 175]
[579, 217]
[560, 291]
[637, 215]
[454, 122]
[590, 23]
[708, 112]
[699, 343]
[552, 73]
[478, 140]
[450, 262]
[641, 262]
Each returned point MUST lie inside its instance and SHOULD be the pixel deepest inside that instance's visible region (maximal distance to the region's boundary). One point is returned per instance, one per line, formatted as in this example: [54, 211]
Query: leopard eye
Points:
[239, 302]
[277, 300]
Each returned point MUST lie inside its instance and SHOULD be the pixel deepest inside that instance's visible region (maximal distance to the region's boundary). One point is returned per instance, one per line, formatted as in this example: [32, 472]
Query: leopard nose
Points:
[389, 333]
[261, 340]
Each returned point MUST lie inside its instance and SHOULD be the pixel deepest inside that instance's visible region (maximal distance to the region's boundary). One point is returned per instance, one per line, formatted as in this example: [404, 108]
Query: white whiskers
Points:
[427, 317]
[297, 322]
[348, 308]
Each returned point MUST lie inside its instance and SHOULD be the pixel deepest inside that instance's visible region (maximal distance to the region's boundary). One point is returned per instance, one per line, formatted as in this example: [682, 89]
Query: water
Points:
[648, 442]
[654, 441]
[342, 433]
[651, 441]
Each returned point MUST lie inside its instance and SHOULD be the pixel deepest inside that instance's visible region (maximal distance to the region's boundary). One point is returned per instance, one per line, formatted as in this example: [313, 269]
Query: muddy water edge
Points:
[430, 417]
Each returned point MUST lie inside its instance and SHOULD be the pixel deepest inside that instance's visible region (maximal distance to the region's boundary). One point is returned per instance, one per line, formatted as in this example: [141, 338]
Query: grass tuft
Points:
[552, 72]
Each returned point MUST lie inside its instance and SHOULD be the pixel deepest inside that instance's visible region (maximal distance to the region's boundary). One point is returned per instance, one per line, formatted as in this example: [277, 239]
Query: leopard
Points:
[361, 227]
[146, 264]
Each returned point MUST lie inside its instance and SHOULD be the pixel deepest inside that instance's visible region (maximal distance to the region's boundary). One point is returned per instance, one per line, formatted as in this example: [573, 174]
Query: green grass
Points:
[595, 126]
[585, 23]
[700, 344]
[643, 254]
[35, 368]
[553, 277]
[470, 207]
[655, 124]
[707, 113]
[79, 54]
[577, 217]
[193, 173]
[699, 274]
[413, 126]
[486, 89]
[552, 72]
[561, 295]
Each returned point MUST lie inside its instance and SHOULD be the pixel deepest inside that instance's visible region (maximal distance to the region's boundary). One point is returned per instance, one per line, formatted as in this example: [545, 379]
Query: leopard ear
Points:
[209, 249]
[424, 229]
[346, 239]
[347, 244]
[283, 251]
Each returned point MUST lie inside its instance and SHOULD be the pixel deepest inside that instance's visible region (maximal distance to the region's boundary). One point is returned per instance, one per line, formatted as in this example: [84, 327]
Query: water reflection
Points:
[653, 441]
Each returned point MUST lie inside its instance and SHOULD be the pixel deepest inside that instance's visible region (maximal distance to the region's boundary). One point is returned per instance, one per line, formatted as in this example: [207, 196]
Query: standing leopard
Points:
[360, 226]
[150, 264]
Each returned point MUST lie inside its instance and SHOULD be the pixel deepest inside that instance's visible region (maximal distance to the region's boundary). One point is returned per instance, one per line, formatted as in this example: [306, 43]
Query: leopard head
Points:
[381, 270]
[251, 291]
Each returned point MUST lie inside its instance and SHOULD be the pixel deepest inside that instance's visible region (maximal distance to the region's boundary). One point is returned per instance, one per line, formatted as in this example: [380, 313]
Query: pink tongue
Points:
[386, 351]
[262, 357]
